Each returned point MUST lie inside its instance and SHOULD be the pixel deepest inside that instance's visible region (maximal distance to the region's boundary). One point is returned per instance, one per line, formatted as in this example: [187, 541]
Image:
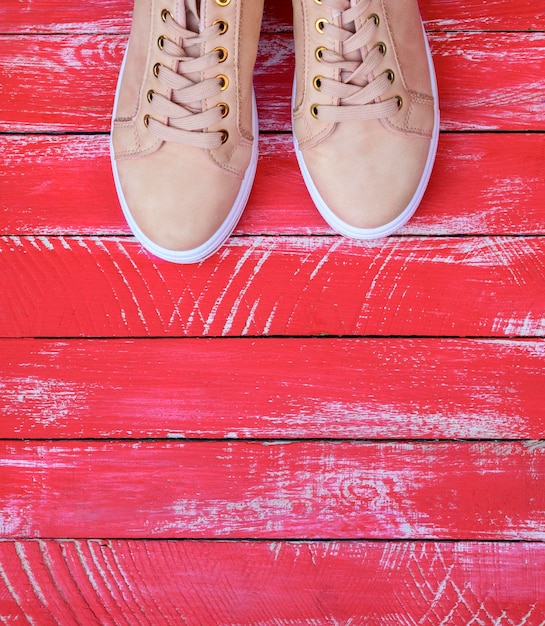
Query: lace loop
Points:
[358, 96]
[186, 120]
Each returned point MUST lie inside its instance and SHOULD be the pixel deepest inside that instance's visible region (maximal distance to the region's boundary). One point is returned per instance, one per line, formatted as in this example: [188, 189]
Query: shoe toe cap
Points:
[177, 205]
[367, 181]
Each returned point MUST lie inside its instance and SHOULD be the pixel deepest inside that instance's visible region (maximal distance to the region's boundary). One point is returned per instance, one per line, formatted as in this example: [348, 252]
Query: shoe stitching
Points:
[360, 106]
[415, 98]
[182, 126]
[121, 125]
[310, 136]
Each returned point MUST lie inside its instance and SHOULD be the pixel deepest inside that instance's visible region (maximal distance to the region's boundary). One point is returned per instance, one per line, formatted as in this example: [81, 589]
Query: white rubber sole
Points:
[208, 248]
[347, 230]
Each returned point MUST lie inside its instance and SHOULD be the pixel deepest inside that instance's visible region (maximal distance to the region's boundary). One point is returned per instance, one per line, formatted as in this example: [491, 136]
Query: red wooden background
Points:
[303, 429]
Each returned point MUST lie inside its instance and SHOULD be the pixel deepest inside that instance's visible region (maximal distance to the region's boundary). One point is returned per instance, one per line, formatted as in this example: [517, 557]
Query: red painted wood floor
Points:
[302, 430]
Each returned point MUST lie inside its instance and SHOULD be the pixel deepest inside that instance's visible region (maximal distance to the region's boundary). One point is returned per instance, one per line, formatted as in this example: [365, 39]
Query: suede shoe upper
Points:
[184, 136]
[365, 111]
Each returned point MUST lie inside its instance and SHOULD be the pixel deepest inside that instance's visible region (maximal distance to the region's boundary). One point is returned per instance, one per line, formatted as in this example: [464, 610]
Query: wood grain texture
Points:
[481, 84]
[303, 490]
[66, 287]
[65, 16]
[474, 189]
[288, 388]
[151, 426]
[44, 16]
[60, 83]
[90, 583]
[495, 15]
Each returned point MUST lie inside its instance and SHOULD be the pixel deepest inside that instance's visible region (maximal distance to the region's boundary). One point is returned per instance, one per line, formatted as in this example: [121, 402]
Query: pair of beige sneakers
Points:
[185, 128]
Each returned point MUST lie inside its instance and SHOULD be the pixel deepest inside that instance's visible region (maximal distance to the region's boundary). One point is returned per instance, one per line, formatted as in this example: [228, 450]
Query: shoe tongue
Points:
[189, 14]
[356, 55]
[192, 14]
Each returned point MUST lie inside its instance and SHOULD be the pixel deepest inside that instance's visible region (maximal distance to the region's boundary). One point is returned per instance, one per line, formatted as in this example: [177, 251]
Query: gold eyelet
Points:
[223, 26]
[314, 111]
[375, 18]
[224, 109]
[224, 136]
[161, 42]
[165, 13]
[318, 2]
[146, 120]
[224, 81]
[222, 53]
[317, 82]
[390, 74]
[399, 102]
[319, 53]
[382, 47]
[320, 23]
[156, 69]
[222, 3]
[150, 95]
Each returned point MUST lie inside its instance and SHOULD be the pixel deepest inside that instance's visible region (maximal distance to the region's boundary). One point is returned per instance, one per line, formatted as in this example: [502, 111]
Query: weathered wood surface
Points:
[64, 287]
[88, 583]
[487, 81]
[275, 489]
[474, 189]
[289, 388]
[88, 424]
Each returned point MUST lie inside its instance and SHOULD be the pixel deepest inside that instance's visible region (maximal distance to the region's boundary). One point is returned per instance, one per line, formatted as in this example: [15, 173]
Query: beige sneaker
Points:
[365, 111]
[185, 131]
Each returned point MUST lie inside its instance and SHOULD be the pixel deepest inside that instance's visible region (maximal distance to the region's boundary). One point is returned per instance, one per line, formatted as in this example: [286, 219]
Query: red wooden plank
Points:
[306, 490]
[478, 15]
[67, 82]
[341, 388]
[63, 287]
[290, 388]
[65, 16]
[42, 16]
[196, 583]
[57, 184]
[58, 83]
[485, 85]
[474, 188]
[108, 16]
